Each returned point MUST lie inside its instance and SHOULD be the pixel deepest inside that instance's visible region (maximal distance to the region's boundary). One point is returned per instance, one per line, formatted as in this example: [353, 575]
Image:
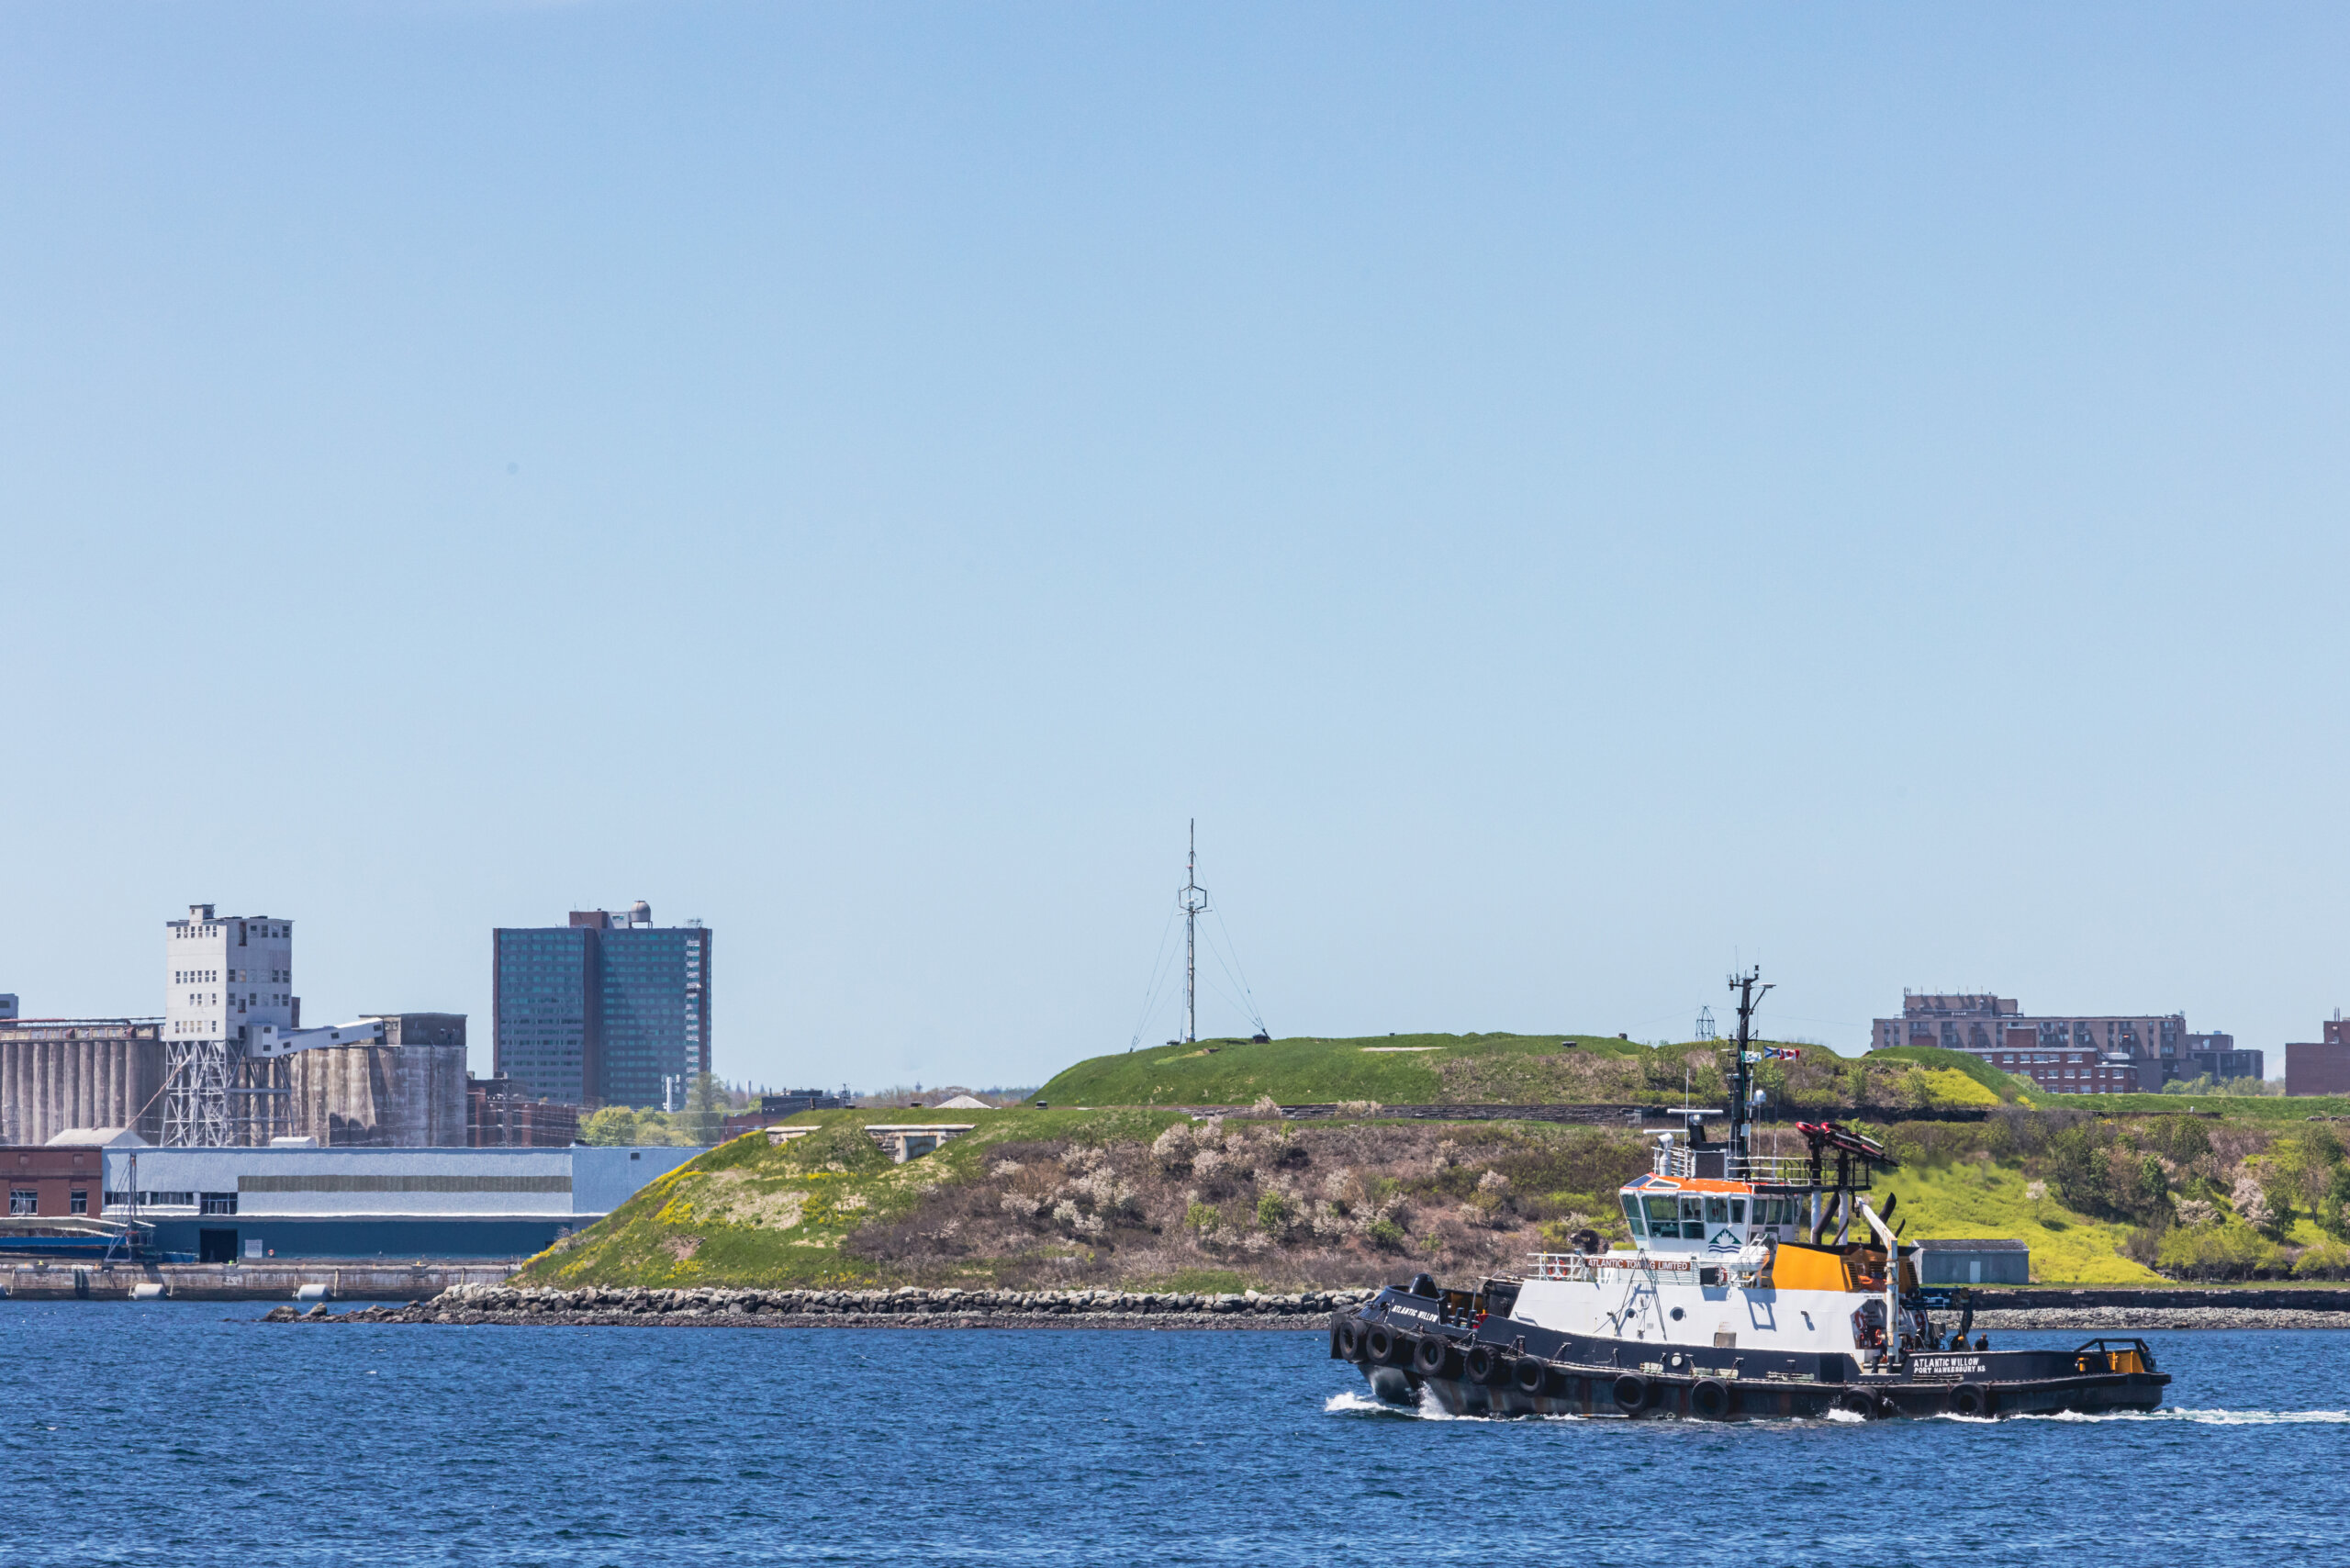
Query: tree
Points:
[704, 1118]
[611, 1126]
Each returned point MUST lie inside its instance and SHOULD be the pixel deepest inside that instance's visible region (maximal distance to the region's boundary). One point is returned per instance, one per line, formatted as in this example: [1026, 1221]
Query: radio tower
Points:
[1193, 900]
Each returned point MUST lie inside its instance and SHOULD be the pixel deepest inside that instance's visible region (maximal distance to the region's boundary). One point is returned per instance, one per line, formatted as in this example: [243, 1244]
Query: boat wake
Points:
[2206, 1417]
[1354, 1402]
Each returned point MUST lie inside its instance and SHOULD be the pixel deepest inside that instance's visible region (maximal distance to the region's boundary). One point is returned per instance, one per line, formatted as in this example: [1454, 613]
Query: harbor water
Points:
[178, 1433]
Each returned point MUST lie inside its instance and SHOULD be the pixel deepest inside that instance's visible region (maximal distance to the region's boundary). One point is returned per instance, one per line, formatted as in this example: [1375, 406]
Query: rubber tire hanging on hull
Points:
[1967, 1400]
[1346, 1340]
[1631, 1394]
[1430, 1356]
[1486, 1365]
[1380, 1344]
[1709, 1399]
[1532, 1377]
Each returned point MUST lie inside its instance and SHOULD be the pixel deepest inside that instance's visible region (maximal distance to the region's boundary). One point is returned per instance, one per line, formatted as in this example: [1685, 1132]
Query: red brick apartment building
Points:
[2098, 1054]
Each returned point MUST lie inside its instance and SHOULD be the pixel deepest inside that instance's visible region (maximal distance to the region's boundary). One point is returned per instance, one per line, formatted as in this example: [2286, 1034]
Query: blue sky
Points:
[1571, 497]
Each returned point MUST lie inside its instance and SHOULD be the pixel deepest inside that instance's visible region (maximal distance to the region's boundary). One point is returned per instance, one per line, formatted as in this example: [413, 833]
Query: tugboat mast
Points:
[1748, 989]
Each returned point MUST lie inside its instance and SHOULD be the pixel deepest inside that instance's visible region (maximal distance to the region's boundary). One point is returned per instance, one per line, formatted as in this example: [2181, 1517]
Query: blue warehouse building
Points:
[216, 1205]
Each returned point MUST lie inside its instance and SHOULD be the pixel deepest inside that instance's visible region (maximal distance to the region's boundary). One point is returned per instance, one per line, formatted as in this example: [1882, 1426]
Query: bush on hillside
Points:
[2229, 1250]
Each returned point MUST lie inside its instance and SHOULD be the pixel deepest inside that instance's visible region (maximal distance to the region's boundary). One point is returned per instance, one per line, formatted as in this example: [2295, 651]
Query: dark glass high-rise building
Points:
[603, 1010]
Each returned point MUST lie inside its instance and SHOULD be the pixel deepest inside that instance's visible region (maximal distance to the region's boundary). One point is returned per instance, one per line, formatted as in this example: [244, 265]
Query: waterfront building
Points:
[605, 1010]
[57, 1073]
[2074, 1053]
[225, 979]
[247, 1205]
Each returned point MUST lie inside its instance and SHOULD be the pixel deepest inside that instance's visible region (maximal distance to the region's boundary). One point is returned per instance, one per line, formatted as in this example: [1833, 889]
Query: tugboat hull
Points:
[1497, 1366]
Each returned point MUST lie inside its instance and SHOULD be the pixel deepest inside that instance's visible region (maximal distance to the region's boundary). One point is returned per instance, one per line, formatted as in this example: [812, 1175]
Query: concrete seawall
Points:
[245, 1282]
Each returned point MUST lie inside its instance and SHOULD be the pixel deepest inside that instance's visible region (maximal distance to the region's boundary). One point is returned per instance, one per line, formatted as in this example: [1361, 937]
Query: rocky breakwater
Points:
[909, 1307]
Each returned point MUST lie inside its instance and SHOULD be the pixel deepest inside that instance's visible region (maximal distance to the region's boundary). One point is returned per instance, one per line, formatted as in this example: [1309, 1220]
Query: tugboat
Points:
[1731, 1303]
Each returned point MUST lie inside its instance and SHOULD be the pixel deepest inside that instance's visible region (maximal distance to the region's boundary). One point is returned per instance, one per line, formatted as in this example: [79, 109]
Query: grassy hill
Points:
[1512, 1069]
[1136, 1197]
[1110, 1186]
[1396, 1070]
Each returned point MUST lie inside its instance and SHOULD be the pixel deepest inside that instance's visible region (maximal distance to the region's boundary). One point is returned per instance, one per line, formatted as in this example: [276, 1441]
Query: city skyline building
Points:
[604, 1010]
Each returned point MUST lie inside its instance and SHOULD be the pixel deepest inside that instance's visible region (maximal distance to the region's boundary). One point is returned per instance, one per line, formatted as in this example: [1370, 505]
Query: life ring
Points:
[1346, 1340]
[1632, 1393]
[1380, 1342]
[1429, 1355]
[1531, 1376]
[1966, 1400]
[1709, 1399]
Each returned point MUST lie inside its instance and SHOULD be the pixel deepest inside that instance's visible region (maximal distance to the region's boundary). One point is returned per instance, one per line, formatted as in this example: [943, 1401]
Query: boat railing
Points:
[1684, 1162]
[1771, 1170]
[1560, 1266]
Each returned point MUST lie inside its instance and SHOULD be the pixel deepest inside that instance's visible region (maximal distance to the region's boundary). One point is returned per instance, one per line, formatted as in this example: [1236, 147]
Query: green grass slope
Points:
[1394, 1070]
[2006, 1085]
[1976, 1199]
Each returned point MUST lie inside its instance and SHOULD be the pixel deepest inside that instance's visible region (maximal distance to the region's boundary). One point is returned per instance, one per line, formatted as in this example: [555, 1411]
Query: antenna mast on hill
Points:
[1193, 900]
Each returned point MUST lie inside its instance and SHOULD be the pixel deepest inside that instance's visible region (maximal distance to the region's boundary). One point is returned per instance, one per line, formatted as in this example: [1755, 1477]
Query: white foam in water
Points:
[1355, 1401]
[2208, 1417]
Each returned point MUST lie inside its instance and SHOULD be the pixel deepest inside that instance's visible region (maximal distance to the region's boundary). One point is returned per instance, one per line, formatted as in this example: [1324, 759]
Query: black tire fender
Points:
[1381, 1343]
[1346, 1340]
[1967, 1400]
[1631, 1391]
[1709, 1398]
[1485, 1364]
[1430, 1356]
[1532, 1376]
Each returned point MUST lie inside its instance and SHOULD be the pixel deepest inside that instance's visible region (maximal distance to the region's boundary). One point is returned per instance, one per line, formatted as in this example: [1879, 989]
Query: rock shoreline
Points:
[2151, 1320]
[598, 1306]
[906, 1308]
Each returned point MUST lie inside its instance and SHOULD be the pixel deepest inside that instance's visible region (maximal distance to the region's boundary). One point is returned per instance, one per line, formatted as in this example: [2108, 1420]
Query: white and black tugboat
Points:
[1731, 1303]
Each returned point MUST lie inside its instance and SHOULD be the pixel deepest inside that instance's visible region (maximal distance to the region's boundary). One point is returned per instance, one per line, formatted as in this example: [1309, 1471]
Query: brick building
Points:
[500, 1114]
[55, 1179]
[2074, 1054]
[2320, 1067]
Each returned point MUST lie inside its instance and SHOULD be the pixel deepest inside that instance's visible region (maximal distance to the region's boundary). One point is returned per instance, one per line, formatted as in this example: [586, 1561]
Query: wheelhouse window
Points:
[1632, 1215]
[1664, 1217]
[1692, 1218]
[1717, 1211]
